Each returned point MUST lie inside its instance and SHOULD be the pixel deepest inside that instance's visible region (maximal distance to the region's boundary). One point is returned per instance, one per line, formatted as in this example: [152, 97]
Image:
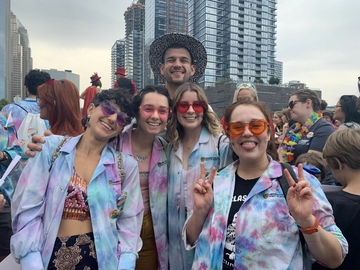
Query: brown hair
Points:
[61, 99]
[315, 160]
[343, 145]
[286, 112]
[305, 94]
[210, 121]
[271, 146]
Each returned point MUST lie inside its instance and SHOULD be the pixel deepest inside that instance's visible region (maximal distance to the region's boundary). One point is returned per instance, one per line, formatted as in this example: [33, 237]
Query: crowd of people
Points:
[154, 179]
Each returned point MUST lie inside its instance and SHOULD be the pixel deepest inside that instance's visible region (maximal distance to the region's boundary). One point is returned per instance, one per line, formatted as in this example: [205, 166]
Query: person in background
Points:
[329, 117]
[339, 152]
[323, 105]
[58, 102]
[195, 136]
[20, 109]
[245, 90]
[89, 93]
[278, 123]
[346, 112]
[123, 82]
[176, 59]
[86, 212]
[241, 217]
[317, 165]
[310, 132]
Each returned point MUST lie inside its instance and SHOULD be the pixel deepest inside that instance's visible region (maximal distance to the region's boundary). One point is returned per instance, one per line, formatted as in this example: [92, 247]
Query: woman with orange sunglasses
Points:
[195, 136]
[243, 220]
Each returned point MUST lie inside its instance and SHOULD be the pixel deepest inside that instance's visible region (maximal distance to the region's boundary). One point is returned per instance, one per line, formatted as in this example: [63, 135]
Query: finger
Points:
[301, 176]
[212, 176]
[47, 132]
[202, 170]
[289, 178]
[30, 153]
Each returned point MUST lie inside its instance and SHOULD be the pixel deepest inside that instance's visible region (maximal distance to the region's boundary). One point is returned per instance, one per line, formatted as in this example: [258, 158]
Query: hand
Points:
[203, 192]
[2, 202]
[34, 146]
[300, 199]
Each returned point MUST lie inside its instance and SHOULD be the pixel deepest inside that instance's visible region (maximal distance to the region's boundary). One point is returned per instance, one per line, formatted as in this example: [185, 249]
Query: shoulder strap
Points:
[57, 151]
[120, 162]
[21, 107]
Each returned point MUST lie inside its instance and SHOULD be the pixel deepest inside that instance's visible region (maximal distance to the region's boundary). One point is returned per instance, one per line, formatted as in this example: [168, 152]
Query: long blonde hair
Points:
[175, 132]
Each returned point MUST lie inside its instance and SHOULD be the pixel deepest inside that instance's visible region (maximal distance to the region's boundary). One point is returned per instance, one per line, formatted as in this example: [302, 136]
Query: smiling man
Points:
[177, 58]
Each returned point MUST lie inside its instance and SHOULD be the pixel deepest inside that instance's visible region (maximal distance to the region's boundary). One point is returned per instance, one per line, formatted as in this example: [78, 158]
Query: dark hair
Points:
[34, 78]
[329, 114]
[61, 99]
[305, 94]
[138, 99]
[315, 160]
[176, 46]
[271, 146]
[323, 104]
[286, 112]
[126, 84]
[348, 106]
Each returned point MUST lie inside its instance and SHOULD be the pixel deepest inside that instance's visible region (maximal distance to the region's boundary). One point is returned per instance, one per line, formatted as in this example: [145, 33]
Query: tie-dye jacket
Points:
[180, 188]
[38, 205]
[157, 192]
[9, 144]
[267, 236]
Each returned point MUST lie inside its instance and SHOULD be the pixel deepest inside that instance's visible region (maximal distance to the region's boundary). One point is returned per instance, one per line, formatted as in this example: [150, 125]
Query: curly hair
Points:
[34, 78]
[138, 99]
[271, 146]
[61, 99]
[175, 132]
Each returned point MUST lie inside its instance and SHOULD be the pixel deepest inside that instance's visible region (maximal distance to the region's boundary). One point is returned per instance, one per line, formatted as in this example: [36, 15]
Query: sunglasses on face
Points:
[40, 103]
[198, 106]
[148, 110]
[108, 109]
[256, 127]
[293, 103]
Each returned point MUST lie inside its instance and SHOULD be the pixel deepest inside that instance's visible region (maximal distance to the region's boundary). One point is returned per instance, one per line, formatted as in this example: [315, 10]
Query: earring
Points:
[87, 124]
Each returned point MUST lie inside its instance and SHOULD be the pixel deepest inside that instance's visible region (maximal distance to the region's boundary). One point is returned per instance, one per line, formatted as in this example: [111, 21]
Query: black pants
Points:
[5, 230]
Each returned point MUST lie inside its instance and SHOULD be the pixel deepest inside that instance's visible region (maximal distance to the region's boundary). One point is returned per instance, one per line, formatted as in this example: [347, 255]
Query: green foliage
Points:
[274, 80]
[258, 81]
[3, 102]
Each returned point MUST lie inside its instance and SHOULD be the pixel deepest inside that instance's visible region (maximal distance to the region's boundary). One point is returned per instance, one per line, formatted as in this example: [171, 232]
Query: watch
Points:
[310, 230]
[5, 156]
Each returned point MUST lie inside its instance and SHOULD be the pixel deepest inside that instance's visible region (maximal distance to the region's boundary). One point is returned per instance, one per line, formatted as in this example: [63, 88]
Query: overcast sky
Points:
[317, 40]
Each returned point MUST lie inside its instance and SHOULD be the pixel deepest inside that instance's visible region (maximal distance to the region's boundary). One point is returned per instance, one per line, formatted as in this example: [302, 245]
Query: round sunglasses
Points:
[108, 109]
[198, 106]
[149, 109]
[256, 127]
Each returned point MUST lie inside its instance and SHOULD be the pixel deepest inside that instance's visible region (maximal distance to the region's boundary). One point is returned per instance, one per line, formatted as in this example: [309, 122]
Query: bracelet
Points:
[311, 230]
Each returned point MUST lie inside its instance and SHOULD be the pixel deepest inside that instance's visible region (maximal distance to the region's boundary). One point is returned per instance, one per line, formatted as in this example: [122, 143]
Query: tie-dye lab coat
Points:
[267, 236]
[38, 205]
[157, 191]
[180, 189]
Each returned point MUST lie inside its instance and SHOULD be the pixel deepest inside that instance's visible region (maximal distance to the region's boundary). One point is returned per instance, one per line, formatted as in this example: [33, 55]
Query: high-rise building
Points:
[5, 48]
[279, 71]
[162, 17]
[16, 58]
[239, 37]
[134, 42]
[27, 63]
[117, 57]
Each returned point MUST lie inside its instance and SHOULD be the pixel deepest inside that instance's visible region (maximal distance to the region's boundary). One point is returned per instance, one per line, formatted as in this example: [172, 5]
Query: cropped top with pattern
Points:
[76, 204]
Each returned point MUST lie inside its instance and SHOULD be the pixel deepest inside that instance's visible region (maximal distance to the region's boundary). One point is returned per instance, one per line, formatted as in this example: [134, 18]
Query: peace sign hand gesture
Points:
[300, 199]
[203, 192]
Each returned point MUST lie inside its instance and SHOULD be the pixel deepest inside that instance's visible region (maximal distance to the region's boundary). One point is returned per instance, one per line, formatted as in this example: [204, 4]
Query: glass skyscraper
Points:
[239, 37]
[117, 57]
[5, 48]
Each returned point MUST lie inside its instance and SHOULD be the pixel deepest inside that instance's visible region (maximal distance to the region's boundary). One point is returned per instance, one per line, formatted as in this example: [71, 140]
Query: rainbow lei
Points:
[295, 135]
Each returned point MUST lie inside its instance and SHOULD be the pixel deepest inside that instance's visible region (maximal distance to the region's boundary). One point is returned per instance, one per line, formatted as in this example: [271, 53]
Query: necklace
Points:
[140, 158]
[296, 134]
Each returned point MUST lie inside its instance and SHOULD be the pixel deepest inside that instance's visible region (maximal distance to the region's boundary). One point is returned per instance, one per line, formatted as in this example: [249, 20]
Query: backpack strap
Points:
[57, 151]
[218, 144]
[120, 163]
[21, 107]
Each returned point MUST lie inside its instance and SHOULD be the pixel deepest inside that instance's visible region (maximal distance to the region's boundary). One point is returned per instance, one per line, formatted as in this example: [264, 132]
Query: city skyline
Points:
[316, 41]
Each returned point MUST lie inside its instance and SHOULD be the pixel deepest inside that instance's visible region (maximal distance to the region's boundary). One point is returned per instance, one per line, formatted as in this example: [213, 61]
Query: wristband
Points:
[311, 230]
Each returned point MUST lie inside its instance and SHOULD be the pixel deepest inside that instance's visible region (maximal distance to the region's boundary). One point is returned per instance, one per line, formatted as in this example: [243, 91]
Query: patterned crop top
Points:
[76, 203]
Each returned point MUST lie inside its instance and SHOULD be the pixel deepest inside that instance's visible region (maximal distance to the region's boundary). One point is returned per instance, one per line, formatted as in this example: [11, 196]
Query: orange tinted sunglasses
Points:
[256, 127]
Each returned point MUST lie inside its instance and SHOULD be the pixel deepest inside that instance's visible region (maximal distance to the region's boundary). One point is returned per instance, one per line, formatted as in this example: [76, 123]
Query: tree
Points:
[274, 80]
[258, 81]
[3, 102]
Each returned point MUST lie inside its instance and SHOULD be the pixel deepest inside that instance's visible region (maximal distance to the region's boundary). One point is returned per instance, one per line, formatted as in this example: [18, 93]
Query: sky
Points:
[318, 41]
